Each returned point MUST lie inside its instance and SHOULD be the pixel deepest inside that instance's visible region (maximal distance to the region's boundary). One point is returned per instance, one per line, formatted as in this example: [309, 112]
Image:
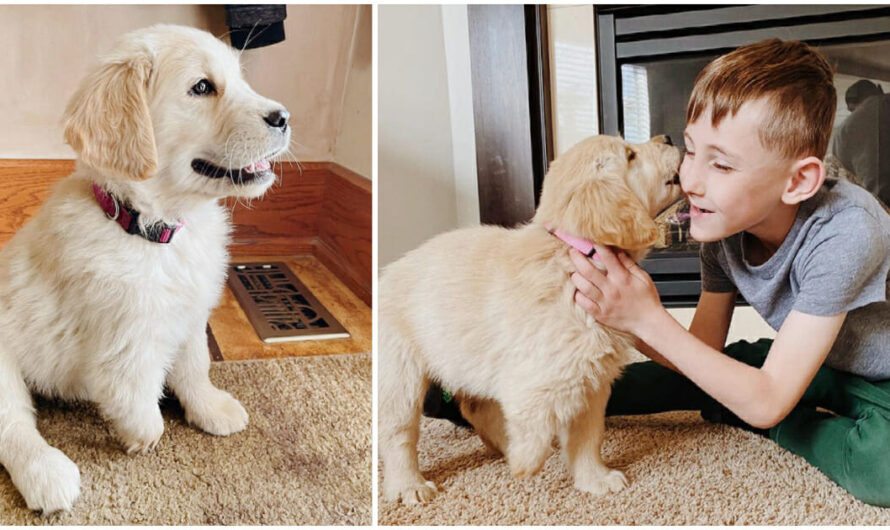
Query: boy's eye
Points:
[689, 154]
[720, 167]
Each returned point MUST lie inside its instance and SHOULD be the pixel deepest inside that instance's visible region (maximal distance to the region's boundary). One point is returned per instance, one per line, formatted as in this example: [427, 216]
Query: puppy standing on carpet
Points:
[105, 294]
[489, 312]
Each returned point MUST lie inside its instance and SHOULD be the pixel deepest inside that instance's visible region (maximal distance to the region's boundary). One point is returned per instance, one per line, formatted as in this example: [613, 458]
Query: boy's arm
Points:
[625, 298]
[713, 315]
[710, 324]
[763, 396]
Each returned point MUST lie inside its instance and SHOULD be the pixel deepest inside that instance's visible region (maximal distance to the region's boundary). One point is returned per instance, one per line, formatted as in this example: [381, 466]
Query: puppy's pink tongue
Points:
[260, 165]
[678, 218]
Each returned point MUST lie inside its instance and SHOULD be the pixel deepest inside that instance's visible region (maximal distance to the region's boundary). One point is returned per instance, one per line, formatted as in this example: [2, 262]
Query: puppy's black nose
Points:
[667, 139]
[277, 118]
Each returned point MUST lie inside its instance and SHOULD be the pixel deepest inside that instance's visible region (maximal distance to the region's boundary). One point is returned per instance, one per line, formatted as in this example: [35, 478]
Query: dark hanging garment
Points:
[254, 26]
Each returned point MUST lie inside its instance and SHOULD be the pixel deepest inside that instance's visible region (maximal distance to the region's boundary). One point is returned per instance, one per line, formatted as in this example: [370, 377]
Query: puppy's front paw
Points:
[49, 483]
[141, 434]
[612, 481]
[218, 413]
[415, 492]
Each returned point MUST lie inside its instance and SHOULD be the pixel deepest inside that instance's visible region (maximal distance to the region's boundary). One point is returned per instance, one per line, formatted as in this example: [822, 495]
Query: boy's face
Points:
[733, 183]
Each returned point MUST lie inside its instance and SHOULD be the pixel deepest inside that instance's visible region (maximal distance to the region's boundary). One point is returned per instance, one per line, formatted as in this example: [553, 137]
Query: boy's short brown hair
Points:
[797, 81]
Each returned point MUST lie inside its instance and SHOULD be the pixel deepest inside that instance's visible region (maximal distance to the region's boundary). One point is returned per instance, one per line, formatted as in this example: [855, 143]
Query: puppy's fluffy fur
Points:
[90, 312]
[489, 312]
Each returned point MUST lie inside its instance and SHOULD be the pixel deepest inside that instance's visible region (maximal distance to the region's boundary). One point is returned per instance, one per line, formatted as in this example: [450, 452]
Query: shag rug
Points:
[682, 471]
[304, 459]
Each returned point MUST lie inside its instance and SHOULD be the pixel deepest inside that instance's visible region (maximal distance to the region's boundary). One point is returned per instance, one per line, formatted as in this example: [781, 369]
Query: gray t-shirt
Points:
[833, 260]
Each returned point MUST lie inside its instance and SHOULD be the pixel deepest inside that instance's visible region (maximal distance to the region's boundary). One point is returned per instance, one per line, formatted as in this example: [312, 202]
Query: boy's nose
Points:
[689, 183]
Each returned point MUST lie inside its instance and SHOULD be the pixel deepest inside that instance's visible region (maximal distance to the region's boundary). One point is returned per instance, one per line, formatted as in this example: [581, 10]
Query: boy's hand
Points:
[622, 297]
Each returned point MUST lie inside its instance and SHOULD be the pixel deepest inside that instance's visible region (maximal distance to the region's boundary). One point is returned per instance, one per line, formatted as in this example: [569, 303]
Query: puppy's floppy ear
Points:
[607, 212]
[599, 207]
[107, 122]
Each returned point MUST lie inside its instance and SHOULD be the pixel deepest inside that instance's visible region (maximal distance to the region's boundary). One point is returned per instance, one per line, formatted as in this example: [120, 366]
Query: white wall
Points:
[572, 45]
[48, 49]
[455, 29]
[426, 163]
[353, 142]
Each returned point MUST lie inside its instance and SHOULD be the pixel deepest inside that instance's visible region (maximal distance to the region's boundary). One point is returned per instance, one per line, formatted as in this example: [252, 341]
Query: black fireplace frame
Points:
[634, 33]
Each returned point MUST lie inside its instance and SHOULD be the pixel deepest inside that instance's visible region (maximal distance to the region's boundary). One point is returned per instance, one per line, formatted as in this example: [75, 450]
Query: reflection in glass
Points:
[861, 136]
[635, 87]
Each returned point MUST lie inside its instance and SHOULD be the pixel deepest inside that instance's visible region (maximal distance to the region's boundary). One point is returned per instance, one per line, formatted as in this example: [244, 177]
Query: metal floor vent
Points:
[279, 306]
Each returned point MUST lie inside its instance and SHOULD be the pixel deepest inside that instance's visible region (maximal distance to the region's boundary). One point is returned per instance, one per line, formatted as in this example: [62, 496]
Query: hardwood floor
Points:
[237, 339]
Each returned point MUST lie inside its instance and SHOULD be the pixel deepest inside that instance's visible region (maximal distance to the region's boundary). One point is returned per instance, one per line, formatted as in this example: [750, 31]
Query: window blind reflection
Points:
[635, 98]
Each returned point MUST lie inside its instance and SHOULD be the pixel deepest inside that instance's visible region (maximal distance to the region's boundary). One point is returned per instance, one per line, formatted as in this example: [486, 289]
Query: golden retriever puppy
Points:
[105, 294]
[489, 312]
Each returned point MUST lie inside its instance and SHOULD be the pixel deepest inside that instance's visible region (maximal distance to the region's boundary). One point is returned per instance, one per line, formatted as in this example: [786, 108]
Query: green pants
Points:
[852, 446]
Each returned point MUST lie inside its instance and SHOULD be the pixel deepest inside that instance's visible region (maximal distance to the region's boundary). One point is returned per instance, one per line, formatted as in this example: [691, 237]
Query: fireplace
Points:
[648, 57]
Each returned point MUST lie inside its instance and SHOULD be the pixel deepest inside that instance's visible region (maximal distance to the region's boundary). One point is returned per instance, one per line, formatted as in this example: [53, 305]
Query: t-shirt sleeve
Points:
[844, 266]
[713, 277]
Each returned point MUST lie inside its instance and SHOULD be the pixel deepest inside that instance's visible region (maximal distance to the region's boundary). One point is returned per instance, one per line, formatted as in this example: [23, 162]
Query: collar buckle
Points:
[117, 208]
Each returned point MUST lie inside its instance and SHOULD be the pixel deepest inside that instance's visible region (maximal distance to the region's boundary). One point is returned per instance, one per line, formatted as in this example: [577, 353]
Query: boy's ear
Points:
[807, 176]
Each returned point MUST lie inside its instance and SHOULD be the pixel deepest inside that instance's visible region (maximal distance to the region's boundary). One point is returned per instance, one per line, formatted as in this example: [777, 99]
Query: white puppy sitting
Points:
[105, 294]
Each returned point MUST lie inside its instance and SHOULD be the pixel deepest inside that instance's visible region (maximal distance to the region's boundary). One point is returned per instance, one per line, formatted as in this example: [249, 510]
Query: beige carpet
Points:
[682, 471]
[304, 459]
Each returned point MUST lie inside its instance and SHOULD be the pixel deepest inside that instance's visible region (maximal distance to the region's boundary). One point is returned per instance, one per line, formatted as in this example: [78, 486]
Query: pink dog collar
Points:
[584, 246]
[128, 218]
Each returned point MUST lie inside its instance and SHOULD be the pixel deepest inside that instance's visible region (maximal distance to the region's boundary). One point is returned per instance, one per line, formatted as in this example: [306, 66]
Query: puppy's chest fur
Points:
[81, 295]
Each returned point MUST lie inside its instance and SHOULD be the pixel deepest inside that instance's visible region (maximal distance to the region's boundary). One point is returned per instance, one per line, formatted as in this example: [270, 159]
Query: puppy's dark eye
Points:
[203, 88]
[631, 155]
